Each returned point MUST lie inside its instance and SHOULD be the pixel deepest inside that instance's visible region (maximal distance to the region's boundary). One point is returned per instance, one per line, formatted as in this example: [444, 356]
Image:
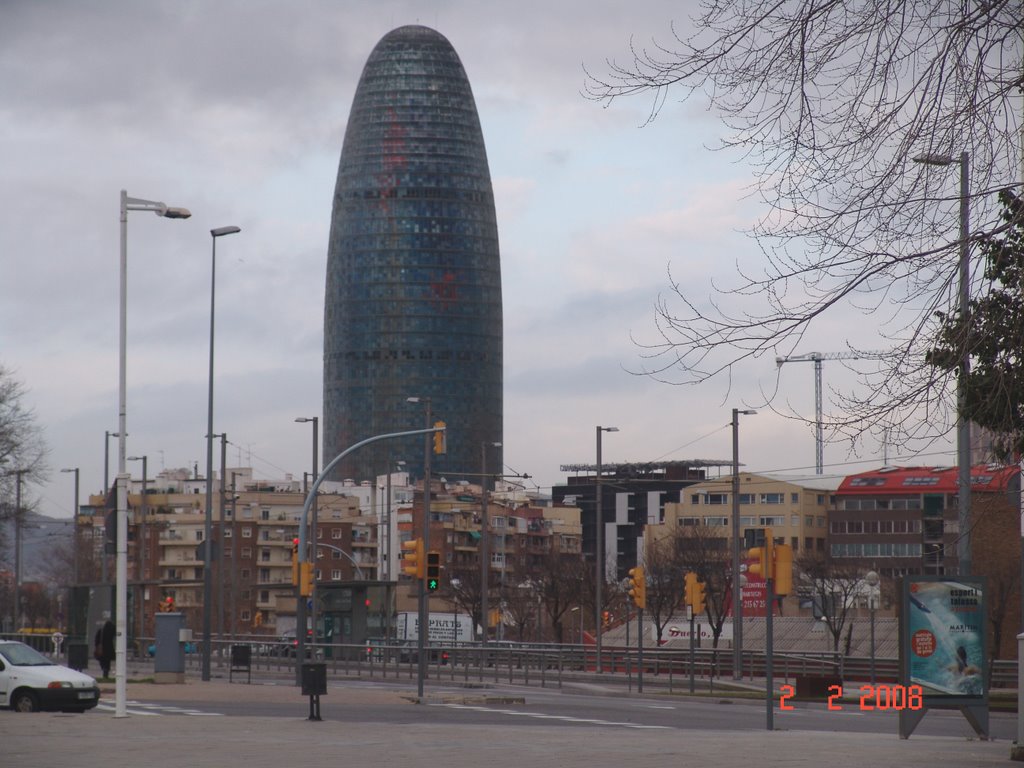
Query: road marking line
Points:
[561, 718]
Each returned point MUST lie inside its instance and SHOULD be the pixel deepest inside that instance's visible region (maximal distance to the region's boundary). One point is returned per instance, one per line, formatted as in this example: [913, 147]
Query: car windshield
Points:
[20, 655]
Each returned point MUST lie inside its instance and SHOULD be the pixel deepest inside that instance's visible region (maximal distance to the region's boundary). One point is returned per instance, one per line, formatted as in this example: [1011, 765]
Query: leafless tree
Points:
[704, 550]
[665, 571]
[558, 584]
[833, 586]
[22, 448]
[830, 102]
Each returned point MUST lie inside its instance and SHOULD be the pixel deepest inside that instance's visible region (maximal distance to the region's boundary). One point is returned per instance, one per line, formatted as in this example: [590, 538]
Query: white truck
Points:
[442, 628]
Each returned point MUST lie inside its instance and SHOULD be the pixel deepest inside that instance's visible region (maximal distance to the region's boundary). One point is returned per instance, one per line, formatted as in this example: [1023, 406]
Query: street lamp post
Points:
[963, 425]
[208, 529]
[871, 577]
[121, 574]
[737, 593]
[599, 546]
[485, 565]
[76, 539]
[301, 603]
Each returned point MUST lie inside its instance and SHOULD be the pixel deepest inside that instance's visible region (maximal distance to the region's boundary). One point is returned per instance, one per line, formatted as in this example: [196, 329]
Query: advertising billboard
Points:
[943, 640]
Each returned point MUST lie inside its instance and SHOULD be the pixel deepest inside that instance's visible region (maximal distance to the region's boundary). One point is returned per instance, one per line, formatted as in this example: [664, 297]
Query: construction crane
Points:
[817, 358]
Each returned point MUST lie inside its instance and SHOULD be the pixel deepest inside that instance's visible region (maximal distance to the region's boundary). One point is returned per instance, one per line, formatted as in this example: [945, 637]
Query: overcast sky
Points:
[237, 110]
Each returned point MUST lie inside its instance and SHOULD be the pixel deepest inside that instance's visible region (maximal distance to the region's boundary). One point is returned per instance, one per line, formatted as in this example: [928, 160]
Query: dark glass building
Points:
[413, 299]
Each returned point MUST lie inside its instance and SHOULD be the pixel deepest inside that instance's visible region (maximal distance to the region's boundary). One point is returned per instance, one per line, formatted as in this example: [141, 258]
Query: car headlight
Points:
[59, 684]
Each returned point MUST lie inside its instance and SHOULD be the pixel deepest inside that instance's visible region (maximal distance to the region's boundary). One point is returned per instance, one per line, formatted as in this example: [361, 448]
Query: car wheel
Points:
[24, 701]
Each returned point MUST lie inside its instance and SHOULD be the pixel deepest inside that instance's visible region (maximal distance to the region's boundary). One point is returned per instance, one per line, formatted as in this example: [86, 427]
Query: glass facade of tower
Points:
[413, 297]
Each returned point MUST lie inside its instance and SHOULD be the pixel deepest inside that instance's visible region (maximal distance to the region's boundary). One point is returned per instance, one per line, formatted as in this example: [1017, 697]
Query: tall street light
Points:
[121, 576]
[76, 539]
[737, 594]
[872, 579]
[300, 605]
[963, 425]
[485, 564]
[208, 530]
[599, 546]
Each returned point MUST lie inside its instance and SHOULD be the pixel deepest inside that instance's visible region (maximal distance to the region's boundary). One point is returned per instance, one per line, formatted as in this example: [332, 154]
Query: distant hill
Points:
[40, 535]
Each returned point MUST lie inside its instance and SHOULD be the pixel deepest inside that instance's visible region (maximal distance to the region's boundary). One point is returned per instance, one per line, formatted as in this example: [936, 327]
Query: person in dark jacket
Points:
[104, 652]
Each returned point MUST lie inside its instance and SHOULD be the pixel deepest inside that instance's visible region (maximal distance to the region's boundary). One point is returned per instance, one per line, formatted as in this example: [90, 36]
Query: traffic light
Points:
[636, 586]
[783, 569]
[440, 444]
[765, 565]
[306, 575]
[694, 593]
[606, 619]
[258, 619]
[433, 570]
[296, 580]
[167, 605]
[760, 568]
[412, 558]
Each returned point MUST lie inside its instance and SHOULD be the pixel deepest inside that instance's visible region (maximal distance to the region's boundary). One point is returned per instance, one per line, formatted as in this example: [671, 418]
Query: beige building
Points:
[795, 508]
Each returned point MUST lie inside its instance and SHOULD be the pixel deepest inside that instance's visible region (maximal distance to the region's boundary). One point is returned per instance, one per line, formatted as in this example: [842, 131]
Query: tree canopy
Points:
[830, 102]
[993, 331]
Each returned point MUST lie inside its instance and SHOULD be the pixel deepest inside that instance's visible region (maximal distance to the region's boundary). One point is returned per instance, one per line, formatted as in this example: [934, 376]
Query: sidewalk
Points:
[99, 740]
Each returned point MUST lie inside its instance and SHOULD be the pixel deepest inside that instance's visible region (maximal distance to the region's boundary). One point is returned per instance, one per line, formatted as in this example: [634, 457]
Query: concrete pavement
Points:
[99, 740]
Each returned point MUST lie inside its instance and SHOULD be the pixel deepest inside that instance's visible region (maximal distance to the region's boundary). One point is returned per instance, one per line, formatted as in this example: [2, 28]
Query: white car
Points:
[30, 682]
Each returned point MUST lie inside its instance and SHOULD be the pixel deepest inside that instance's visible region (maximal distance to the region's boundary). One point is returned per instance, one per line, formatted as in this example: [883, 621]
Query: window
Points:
[264, 514]
[336, 533]
[748, 521]
[695, 498]
[264, 595]
[335, 554]
[264, 535]
[245, 615]
[808, 520]
[719, 521]
[227, 533]
[821, 499]
[264, 555]
[794, 498]
[247, 552]
[247, 533]
[772, 521]
[690, 521]
[794, 520]
[319, 533]
[773, 498]
[747, 498]
[336, 574]
[718, 498]
[199, 535]
[821, 521]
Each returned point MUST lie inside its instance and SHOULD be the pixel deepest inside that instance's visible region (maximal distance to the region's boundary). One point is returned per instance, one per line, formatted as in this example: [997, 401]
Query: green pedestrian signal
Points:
[433, 570]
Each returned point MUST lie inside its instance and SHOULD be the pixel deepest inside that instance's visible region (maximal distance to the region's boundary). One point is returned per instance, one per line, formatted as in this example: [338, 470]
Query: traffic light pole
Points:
[311, 496]
[769, 647]
[421, 636]
[640, 649]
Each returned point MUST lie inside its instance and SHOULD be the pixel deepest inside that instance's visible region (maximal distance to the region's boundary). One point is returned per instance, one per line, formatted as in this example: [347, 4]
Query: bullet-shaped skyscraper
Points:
[413, 299]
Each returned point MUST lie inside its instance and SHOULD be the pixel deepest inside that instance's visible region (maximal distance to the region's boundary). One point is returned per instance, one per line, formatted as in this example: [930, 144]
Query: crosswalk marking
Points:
[146, 709]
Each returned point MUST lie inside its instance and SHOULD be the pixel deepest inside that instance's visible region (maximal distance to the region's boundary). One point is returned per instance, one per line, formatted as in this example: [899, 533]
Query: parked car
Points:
[30, 682]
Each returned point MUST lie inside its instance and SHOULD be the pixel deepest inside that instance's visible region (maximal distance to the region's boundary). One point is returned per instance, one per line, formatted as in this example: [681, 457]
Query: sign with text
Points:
[942, 636]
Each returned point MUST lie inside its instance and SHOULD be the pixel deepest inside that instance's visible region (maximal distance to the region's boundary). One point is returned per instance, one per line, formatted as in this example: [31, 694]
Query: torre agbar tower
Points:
[413, 300]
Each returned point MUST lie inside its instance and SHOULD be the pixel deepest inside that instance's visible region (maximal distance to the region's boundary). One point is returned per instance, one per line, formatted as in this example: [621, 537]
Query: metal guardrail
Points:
[532, 664]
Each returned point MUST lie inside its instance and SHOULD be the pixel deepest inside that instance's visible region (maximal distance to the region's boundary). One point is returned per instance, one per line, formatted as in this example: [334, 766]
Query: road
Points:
[574, 706]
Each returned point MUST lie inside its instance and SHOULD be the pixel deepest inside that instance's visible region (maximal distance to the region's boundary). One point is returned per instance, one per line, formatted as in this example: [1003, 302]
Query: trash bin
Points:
[78, 656]
[314, 678]
[241, 661]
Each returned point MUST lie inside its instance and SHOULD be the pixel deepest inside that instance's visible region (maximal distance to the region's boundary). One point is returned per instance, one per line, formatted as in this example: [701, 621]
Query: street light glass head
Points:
[934, 159]
[871, 578]
[748, 413]
[304, 420]
[70, 470]
[221, 231]
[171, 212]
[135, 458]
